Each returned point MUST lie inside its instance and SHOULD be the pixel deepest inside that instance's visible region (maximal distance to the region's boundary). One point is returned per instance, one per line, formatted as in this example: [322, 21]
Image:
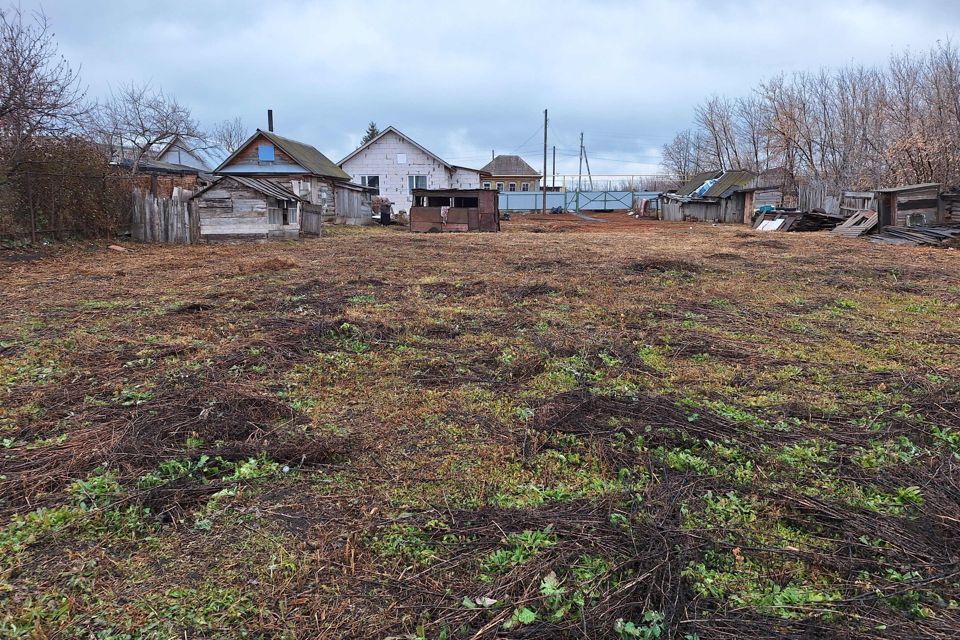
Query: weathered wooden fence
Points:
[167, 220]
[838, 203]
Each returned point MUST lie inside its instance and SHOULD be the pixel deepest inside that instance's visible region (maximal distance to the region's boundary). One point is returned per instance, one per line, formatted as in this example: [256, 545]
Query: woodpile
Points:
[797, 221]
[930, 236]
[858, 224]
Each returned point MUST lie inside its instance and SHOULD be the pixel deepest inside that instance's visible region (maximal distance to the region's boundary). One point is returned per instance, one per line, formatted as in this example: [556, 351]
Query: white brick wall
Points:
[380, 159]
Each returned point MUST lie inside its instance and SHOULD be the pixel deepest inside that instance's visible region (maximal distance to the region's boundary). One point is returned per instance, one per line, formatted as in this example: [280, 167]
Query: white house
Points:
[179, 151]
[394, 165]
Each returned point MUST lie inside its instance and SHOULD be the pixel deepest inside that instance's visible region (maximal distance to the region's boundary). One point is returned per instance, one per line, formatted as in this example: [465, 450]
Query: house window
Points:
[499, 186]
[265, 153]
[525, 186]
[401, 158]
[513, 186]
[372, 182]
[486, 185]
[416, 182]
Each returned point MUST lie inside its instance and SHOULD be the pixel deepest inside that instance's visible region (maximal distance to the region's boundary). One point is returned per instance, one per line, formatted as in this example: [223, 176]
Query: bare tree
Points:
[682, 156]
[137, 119]
[40, 93]
[229, 134]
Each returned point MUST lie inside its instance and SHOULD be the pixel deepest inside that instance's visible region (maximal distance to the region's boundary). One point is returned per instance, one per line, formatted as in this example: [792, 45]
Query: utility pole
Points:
[544, 181]
[553, 181]
[580, 172]
[587, 160]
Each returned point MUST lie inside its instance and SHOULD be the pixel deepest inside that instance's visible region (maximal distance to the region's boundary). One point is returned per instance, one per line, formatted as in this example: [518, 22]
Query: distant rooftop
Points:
[506, 165]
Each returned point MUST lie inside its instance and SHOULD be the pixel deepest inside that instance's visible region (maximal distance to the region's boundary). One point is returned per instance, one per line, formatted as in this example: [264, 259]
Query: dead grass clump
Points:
[567, 533]
[270, 264]
[725, 256]
[652, 265]
[229, 420]
[531, 291]
[770, 244]
[193, 307]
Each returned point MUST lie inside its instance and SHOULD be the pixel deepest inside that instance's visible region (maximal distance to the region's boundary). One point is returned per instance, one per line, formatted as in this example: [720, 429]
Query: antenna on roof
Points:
[493, 155]
[270, 120]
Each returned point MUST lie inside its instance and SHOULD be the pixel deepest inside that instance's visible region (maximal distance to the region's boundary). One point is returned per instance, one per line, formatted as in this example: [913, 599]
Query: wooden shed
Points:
[912, 205]
[242, 207]
[437, 210]
[712, 196]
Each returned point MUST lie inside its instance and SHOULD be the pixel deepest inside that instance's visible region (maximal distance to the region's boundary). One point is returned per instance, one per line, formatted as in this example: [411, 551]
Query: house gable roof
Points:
[305, 155]
[395, 131]
[507, 165]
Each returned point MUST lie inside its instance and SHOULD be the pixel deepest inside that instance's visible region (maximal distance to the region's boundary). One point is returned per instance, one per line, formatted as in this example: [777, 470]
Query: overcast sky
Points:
[463, 78]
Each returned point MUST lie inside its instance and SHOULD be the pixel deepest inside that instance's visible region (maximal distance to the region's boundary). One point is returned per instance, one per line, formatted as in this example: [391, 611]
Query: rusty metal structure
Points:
[436, 210]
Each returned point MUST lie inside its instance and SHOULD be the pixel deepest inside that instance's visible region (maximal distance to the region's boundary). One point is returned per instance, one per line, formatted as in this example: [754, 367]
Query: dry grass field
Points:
[564, 430]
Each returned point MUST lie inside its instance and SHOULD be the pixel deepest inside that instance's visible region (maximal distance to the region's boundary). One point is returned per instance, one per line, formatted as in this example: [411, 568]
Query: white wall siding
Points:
[380, 159]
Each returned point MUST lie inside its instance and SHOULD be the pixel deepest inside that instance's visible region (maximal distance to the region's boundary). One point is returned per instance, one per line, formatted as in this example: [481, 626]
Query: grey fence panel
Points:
[569, 201]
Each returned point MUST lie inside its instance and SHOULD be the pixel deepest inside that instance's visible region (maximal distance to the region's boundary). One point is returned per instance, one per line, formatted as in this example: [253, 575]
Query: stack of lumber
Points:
[797, 221]
[858, 224]
[930, 236]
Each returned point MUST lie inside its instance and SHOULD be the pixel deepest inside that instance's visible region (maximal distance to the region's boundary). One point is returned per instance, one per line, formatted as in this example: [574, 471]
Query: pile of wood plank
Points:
[930, 236]
[797, 221]
[858, 224]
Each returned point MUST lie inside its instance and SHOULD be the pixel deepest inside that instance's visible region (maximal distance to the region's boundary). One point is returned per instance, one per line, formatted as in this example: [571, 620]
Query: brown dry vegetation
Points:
[626, 430]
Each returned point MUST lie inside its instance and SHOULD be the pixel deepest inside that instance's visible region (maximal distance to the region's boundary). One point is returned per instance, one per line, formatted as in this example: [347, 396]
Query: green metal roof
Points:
[730, 181]
[697, 181]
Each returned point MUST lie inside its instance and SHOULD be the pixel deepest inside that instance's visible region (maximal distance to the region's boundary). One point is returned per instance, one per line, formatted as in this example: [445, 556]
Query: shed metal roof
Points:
[910, 187]
[266, 187]
[696, 181]
[729, 182]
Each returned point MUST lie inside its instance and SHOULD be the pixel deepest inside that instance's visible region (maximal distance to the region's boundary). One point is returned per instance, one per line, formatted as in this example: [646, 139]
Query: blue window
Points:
[265, 153]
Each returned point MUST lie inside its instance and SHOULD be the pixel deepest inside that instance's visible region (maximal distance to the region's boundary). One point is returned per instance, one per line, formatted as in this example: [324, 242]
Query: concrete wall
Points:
[381, 159]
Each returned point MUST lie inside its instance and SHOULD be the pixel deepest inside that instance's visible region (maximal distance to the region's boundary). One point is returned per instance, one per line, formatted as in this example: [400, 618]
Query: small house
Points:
[510, 173]
[392, 165]
[436, 210]
[715, 196]
[271, 186]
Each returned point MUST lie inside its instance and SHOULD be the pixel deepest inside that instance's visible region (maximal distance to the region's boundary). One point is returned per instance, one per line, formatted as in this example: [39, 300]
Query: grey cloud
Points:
[464, 78]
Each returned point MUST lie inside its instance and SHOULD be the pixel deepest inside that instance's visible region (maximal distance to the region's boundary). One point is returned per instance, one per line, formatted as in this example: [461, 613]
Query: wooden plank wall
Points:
[912, 205]
[231, 209]
[311, 217]
[164, 220]
[353, 207]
